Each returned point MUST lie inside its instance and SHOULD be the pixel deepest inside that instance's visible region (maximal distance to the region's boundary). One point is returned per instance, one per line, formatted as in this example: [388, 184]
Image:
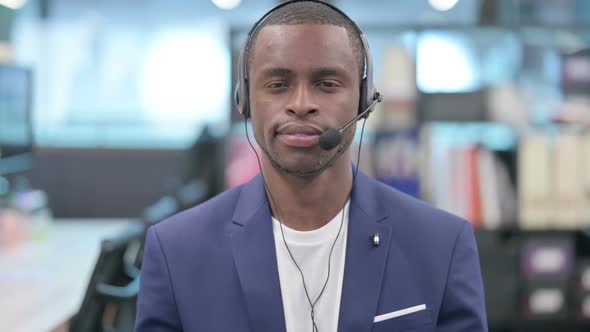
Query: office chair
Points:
[192, 193]
[163, 208]
[185, 196]
[110, 284]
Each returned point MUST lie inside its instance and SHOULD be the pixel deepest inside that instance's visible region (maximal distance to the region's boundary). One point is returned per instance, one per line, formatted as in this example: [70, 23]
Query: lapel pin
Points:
[376, 240]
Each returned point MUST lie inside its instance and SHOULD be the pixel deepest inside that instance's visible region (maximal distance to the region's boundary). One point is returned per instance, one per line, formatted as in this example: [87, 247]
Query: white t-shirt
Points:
[311, 250]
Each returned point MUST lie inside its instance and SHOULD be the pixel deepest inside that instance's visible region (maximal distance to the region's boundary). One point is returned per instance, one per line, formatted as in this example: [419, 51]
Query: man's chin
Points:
[299, 169]
[300, 165]
[305, 170]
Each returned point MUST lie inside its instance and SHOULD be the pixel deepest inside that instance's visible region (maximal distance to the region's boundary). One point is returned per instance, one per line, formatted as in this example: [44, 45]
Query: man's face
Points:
[303, 80]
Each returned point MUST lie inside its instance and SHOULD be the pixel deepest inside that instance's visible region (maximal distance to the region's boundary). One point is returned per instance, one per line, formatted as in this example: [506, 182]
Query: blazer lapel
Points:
[255, 258]
[365, 262]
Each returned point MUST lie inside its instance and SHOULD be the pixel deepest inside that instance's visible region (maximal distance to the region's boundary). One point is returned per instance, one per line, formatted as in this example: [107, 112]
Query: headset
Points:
[368, 93]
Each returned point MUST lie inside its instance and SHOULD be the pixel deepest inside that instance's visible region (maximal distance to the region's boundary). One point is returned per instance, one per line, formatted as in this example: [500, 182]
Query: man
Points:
[309, 244]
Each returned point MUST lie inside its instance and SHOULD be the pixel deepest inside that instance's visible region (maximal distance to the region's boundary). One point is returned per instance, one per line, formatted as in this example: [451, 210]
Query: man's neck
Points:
[308, 203]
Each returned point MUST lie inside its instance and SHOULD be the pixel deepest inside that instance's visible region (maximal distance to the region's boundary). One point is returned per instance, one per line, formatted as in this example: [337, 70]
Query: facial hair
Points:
[320, 167]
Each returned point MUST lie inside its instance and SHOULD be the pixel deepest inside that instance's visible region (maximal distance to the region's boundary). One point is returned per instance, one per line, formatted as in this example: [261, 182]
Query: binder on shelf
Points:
[489, 191]
[534, 185]
[462, 175]
[569, 195]
[585, 177]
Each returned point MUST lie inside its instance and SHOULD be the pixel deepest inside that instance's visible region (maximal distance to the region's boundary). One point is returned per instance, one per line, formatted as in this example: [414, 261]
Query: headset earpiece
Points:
[363, 102]
[241, 105]
[237, 97]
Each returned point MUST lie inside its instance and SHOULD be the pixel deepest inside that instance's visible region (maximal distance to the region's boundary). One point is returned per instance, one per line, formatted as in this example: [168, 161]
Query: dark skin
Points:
[303, 80]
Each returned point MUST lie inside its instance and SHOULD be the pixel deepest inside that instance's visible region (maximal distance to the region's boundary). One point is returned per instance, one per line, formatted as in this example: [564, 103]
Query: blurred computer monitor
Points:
[16, 134]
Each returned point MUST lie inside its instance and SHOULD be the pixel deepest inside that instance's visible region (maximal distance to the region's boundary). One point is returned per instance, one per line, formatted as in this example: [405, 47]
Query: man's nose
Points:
[301, 102]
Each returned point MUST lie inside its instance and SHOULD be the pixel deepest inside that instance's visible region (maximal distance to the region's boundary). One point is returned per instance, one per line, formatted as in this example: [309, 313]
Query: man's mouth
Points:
[299, 135]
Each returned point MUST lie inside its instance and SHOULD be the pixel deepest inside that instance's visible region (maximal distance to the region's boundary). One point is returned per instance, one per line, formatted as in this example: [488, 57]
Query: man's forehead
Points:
[308, 45]
[328, 40]
[306, 30]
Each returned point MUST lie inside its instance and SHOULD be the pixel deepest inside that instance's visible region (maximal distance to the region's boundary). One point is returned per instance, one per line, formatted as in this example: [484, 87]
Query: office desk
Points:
[42, 284]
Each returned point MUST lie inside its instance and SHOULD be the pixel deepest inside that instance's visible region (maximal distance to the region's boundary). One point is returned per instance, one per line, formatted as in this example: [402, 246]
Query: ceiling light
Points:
[226, 4]
[13, 4]
[442, 5]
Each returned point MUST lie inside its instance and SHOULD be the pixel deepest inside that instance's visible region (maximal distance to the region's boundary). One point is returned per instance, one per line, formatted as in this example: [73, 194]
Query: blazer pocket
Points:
[418, 321]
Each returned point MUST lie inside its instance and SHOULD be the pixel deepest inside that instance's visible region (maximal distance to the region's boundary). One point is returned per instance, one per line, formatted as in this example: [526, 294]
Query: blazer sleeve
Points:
[156, 306]
[463, 305]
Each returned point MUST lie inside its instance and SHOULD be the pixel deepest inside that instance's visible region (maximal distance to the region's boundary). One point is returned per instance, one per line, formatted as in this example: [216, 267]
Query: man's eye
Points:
[328, 84]
[276, 85]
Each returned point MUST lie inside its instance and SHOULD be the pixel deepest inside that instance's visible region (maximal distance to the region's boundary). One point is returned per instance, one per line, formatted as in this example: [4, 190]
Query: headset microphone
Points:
[330, 138]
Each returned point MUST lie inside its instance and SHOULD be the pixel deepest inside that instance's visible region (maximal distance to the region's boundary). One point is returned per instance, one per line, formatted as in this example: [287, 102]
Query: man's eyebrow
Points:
[277, 71]
[328, 71]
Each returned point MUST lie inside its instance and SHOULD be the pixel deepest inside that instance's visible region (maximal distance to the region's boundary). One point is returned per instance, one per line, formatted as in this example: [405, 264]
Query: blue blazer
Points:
[214, 268]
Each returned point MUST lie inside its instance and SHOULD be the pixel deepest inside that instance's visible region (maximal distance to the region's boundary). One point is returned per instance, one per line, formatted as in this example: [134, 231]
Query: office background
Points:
[121, 110]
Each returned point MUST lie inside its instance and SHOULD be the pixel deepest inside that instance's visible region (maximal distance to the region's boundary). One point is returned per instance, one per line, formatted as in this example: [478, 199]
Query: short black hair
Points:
[310, 12]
